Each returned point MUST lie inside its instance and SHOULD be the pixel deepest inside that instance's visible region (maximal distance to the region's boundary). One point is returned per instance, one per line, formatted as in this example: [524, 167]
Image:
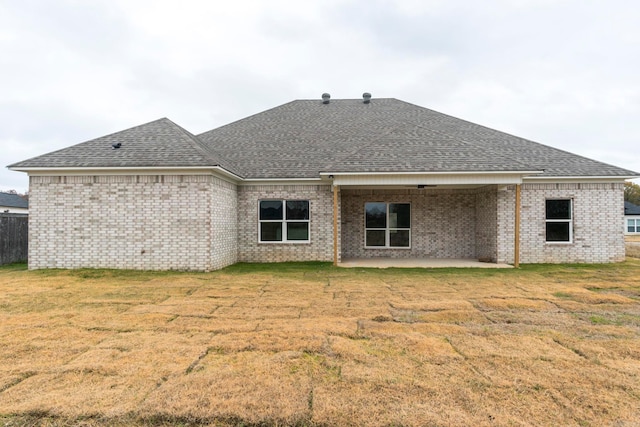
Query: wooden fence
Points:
[14, 237]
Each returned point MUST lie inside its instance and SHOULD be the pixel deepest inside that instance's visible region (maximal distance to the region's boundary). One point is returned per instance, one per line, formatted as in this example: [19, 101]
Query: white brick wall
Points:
[443, 223]
[156, 222]
[506, 224]
[320, 247]
[486, 223]
[598, 210]
[224, 224]
[191, 222]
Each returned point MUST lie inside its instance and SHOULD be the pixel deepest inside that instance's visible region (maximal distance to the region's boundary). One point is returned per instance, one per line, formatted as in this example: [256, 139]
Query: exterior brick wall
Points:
[224, 224]
[320, 247]
[201, 222]
[598, 211]
[486, 223]
[506, 224]
[443, 223]
[156, 222]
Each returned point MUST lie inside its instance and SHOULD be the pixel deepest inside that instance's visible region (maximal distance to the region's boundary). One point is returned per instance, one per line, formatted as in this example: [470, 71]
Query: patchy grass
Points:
[307, 344]
[632, 244]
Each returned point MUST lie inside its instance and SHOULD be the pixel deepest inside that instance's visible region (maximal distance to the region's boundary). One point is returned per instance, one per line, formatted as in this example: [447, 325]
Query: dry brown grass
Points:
[310, 345]
[633, 246]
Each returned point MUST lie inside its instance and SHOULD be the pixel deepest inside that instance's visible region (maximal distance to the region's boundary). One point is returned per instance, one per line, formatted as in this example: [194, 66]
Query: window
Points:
[284, 221]
[387, 225]
[559, 221]
[633, 225]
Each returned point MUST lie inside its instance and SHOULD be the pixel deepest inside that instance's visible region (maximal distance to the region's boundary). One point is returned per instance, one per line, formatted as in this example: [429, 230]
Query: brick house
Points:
[320, 180]
[631, 218]
[13, 203]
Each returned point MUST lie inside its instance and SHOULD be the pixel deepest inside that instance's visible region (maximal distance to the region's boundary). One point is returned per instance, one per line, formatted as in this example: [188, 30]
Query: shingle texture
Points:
[158, 143]
[303, 138]
[13, 201]
[631, 209]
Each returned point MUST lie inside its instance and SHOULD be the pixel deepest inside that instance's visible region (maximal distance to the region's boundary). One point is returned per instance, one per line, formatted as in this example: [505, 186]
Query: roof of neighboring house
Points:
[13, 201]
[631, 209]
[303, 138]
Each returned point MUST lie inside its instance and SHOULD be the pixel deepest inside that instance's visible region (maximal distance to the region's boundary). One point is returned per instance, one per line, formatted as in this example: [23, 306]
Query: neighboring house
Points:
[320, 180]
[12, 203]
[631, 218]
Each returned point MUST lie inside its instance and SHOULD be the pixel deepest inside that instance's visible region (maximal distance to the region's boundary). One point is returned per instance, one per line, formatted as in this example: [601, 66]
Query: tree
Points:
[632, 193]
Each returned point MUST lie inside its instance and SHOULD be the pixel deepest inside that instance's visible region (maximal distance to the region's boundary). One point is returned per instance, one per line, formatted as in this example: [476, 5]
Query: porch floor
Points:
[417, 263]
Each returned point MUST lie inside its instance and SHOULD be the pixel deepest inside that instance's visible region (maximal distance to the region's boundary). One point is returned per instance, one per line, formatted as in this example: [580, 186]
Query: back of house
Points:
[322, 179]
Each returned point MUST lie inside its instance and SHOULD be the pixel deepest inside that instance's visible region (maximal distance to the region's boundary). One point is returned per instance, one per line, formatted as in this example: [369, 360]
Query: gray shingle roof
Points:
[303, 138]
[631, 209]
[13, 201]
[158, 143]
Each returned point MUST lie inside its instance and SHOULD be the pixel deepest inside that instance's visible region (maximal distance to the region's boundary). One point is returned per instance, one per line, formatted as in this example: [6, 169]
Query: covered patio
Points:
[427, 220]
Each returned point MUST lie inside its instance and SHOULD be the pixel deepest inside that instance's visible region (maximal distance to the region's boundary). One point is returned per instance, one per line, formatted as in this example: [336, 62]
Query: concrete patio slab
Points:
[418, 263]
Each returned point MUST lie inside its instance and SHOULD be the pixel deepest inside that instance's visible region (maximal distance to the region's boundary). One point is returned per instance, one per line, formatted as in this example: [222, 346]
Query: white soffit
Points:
[575, 179]
[427, 179]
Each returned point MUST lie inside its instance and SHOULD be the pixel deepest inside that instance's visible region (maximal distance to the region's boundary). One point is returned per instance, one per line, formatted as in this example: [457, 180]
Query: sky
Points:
[560, 72]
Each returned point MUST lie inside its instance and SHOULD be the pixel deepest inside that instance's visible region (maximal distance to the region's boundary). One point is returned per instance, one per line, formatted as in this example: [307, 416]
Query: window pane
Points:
[375, 238]
[271, 231]
[297, 231]
[297, 209]
[558, 209]
[270, 210]
[557, 232]
[399, 238]
[376, 215]
[399, 215]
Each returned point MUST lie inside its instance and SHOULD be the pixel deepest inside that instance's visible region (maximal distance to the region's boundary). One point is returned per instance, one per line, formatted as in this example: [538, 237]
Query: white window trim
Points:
[284, 222]
[636, 225]
[387, 229]
[569, 220]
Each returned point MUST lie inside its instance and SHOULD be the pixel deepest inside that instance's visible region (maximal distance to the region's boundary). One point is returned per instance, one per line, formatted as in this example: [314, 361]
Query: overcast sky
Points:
[565, 73]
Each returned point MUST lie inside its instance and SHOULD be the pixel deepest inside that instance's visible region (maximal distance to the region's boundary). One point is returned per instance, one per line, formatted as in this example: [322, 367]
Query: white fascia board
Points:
[575, 179]
[329, 174]
[284, 181]
[150, 170]
[429, 179]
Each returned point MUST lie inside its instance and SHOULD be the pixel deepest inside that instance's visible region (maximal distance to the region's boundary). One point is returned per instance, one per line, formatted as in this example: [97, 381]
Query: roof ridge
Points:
[208, 155]
[467, 142]
[515, 136]
[245, 118]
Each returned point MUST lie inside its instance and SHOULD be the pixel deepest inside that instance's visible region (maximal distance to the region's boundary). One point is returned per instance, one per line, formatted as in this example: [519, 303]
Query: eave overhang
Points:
[131, 170]
[576, 179]
[427, 179]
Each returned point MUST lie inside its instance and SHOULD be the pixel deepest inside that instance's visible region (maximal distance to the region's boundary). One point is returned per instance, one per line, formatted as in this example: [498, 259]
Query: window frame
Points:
[636, 226]
[387, 229]
[568, 221]
[284, 221]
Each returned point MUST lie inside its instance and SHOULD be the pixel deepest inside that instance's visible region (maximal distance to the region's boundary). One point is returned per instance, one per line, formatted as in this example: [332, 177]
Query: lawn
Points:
[313, 345]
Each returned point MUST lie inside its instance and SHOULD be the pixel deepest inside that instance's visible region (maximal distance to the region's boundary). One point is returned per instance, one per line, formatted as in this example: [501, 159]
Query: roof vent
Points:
[366, 97]
[116, 145]
[325, 98]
